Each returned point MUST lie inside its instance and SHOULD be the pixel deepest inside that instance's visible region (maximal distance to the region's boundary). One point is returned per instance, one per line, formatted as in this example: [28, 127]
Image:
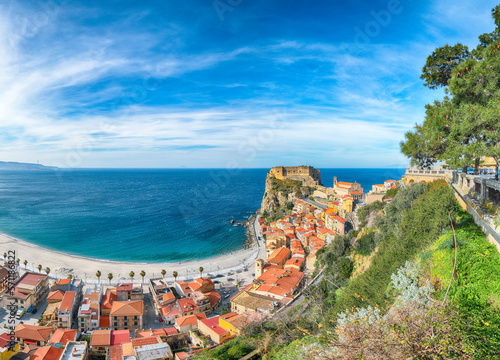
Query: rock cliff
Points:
[281, 193]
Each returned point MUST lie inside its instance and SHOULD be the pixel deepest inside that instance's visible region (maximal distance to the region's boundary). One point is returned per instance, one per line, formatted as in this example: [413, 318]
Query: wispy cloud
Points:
[102, 86]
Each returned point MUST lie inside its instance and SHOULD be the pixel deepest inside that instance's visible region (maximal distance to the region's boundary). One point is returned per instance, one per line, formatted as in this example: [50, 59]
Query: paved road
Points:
[318, 205]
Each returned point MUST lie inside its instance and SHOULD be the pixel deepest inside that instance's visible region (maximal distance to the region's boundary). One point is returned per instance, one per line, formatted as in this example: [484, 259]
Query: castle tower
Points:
[334, 180]
[259, 266]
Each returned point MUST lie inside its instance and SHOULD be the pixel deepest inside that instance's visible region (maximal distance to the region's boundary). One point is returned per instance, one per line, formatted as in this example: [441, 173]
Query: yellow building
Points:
[347, 203]
[6, 349]
[233, 322]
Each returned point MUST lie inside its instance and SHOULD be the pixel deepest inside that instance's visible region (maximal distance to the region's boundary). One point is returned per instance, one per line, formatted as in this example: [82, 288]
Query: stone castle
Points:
[307, 174]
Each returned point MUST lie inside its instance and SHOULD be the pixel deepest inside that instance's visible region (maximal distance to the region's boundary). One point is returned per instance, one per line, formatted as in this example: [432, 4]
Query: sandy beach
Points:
[62, 264]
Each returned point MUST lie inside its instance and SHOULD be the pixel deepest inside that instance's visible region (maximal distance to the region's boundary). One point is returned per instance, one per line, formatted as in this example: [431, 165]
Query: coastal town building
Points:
[188, 322]
[8, 347]
[128, 291]
[28, 290]
[4, 279]
[307, 174]
[211, 328]
[75, 350]
[346, 188]
[32, 334]
[125, 315]
[89, 310]
[66, 311]
[61, 337]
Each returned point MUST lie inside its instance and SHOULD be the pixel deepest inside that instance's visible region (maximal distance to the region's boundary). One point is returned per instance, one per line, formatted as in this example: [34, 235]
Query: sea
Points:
[143, 215]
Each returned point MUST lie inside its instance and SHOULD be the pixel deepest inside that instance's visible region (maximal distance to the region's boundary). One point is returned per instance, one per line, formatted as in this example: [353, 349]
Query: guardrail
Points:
[478, 217]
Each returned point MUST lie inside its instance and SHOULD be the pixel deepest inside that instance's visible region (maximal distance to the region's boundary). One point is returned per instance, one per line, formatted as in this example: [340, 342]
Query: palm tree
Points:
[110, 277]
[47, 270]
[70, 276]
[18, 261]
[4, 256]
[40, 268]
[175, 275]
[201, 271]
[163, 272]
[98, 275]
[143, 273]
[25, 262]
[132, 274]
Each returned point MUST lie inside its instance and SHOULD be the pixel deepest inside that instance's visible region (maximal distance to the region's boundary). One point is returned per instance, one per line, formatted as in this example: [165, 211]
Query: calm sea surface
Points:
[142, 215]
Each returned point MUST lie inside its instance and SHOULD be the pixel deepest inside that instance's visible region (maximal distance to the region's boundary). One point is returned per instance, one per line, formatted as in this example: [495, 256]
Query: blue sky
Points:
[225, 83]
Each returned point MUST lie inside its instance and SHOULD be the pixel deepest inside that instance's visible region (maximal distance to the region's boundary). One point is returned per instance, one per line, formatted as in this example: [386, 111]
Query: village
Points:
[69, 319]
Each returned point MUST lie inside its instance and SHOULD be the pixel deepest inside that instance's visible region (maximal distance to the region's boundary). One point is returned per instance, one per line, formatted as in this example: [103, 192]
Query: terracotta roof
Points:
[213, 324]
[170, 331]
[190, 319]
[63, 336]
[124, 287]
[127, 308]
[149, 340]
[109, 298]
[116, 353]
[28, 279]
[279, 255]
[67, 301]
[104, 321]
[119, 337]
[356, 192]
[63, 282]
[100, 338]
[33, 332]
[55, 295]
[214, 297]
[182, 355]
[4, 340]
[47, 353]
[204, 281]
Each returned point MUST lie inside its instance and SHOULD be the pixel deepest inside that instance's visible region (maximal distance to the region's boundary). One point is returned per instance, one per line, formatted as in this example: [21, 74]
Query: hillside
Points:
[24, 166]
[400, 305]
[280, 194]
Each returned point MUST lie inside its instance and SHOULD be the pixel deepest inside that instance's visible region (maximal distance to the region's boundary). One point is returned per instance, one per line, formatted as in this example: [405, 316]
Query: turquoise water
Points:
[142, 215]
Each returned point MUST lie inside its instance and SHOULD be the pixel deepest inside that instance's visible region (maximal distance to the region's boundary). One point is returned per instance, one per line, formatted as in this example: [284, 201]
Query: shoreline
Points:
[63, 264]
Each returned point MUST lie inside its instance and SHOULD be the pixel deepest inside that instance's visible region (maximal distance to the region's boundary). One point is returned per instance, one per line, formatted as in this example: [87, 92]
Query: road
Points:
[318, 205]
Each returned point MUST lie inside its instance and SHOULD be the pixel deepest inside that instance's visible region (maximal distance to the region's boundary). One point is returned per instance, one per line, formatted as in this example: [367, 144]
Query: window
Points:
[125, 323]
[135, 323]
[116, 318]
[125, 318]
[115, 324]
[135, 317]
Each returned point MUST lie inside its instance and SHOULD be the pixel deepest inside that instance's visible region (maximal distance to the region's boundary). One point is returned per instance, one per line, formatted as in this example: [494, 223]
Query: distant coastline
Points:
[9, 165]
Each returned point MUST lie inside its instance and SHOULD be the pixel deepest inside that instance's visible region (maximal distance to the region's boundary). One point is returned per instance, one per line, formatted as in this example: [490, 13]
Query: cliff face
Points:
[280, 192]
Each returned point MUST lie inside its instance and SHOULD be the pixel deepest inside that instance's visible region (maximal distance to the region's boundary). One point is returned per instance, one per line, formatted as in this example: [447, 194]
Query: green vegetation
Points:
[396, 306]
[390, 193]
[466, 124]
[366, 210]
[286, 185]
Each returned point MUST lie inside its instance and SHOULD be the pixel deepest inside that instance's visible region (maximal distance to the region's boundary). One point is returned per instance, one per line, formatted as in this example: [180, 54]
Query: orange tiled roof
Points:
[109, 299]
[67, 301]
[47, 353]
[33, 332]
[63, 282]
[55, 295]
[127, 308]
[100, 338]
[190, 319]
[104, 321]
[279, 255]
[63, 336]
[148, 340]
